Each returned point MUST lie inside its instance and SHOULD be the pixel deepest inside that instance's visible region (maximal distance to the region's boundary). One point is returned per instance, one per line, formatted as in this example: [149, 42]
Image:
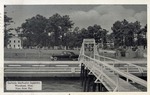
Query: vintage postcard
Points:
[74, 47]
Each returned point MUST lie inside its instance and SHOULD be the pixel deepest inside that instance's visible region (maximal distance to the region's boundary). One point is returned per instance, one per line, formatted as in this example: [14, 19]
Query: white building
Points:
[14, 43]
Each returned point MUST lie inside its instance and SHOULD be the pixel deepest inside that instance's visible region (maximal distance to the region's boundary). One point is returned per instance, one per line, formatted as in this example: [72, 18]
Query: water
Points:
[58, 84]
[62, 85]
[52, 84]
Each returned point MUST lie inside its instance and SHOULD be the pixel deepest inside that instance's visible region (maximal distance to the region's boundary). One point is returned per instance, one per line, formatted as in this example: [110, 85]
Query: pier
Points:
[97, 72]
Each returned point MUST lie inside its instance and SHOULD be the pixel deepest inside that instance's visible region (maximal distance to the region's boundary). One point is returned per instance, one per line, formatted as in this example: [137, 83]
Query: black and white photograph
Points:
[75, 48]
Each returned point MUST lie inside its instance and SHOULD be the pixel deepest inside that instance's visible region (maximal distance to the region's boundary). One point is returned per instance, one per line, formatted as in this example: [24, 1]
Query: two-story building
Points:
[14, 43]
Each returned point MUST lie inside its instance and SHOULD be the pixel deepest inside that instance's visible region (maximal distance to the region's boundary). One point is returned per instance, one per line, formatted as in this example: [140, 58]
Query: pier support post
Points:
[94, 87]
[103, 88]
[82, 73]
[85, 79]
[89, 83]
[99, 87]
[94, 84]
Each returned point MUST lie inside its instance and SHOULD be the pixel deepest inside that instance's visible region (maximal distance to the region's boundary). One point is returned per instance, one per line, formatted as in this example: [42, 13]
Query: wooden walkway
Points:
[108, 71]
[109, 79]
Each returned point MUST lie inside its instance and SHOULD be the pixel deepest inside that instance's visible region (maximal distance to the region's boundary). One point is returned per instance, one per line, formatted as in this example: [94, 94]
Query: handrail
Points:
[129, 63]
[125, 74]
[81, 50]
[101, 73]
[40, 62]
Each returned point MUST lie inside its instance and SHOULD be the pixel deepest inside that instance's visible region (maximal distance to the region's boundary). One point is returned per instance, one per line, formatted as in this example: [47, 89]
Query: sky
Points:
[82, 15]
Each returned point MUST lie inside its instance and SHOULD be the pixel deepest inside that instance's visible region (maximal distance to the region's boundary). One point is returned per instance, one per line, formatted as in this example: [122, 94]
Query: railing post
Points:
[117, 86]
[102, 72]
[94, 47]
[99, 58]
[104, 59]
[127, 71]
[114, 66]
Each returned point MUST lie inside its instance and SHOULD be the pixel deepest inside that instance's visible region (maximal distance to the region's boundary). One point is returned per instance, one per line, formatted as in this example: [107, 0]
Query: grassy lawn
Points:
[31, 54]
[44, 55]
[36, 51]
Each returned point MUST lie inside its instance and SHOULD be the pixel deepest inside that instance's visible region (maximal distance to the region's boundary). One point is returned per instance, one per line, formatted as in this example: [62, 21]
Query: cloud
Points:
[106, 16]
[82, 16]
[142, 17]
[116, 9]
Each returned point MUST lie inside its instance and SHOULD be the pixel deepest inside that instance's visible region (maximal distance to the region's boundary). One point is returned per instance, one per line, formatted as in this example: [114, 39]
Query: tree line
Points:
[39, 31]
[127, 34]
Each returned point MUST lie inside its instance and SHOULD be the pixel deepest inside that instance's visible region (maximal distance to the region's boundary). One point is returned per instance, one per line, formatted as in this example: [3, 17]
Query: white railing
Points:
[115, 61]
[97, 71]
[44, 68]
[101, 65]
[40, 62]
[81, 51]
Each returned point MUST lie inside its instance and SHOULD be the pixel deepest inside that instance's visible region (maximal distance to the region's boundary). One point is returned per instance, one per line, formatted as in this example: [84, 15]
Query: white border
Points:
[52, 2]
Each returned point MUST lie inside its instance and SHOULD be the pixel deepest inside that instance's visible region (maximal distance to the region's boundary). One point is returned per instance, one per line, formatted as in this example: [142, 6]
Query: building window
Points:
[14, 46]
[14, 41]
[9, 45]
[18, 41]
[18, 45]
[10, 41]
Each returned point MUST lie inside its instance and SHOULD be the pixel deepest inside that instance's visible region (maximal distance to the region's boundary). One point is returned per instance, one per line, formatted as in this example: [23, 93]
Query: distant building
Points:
[14, 43]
